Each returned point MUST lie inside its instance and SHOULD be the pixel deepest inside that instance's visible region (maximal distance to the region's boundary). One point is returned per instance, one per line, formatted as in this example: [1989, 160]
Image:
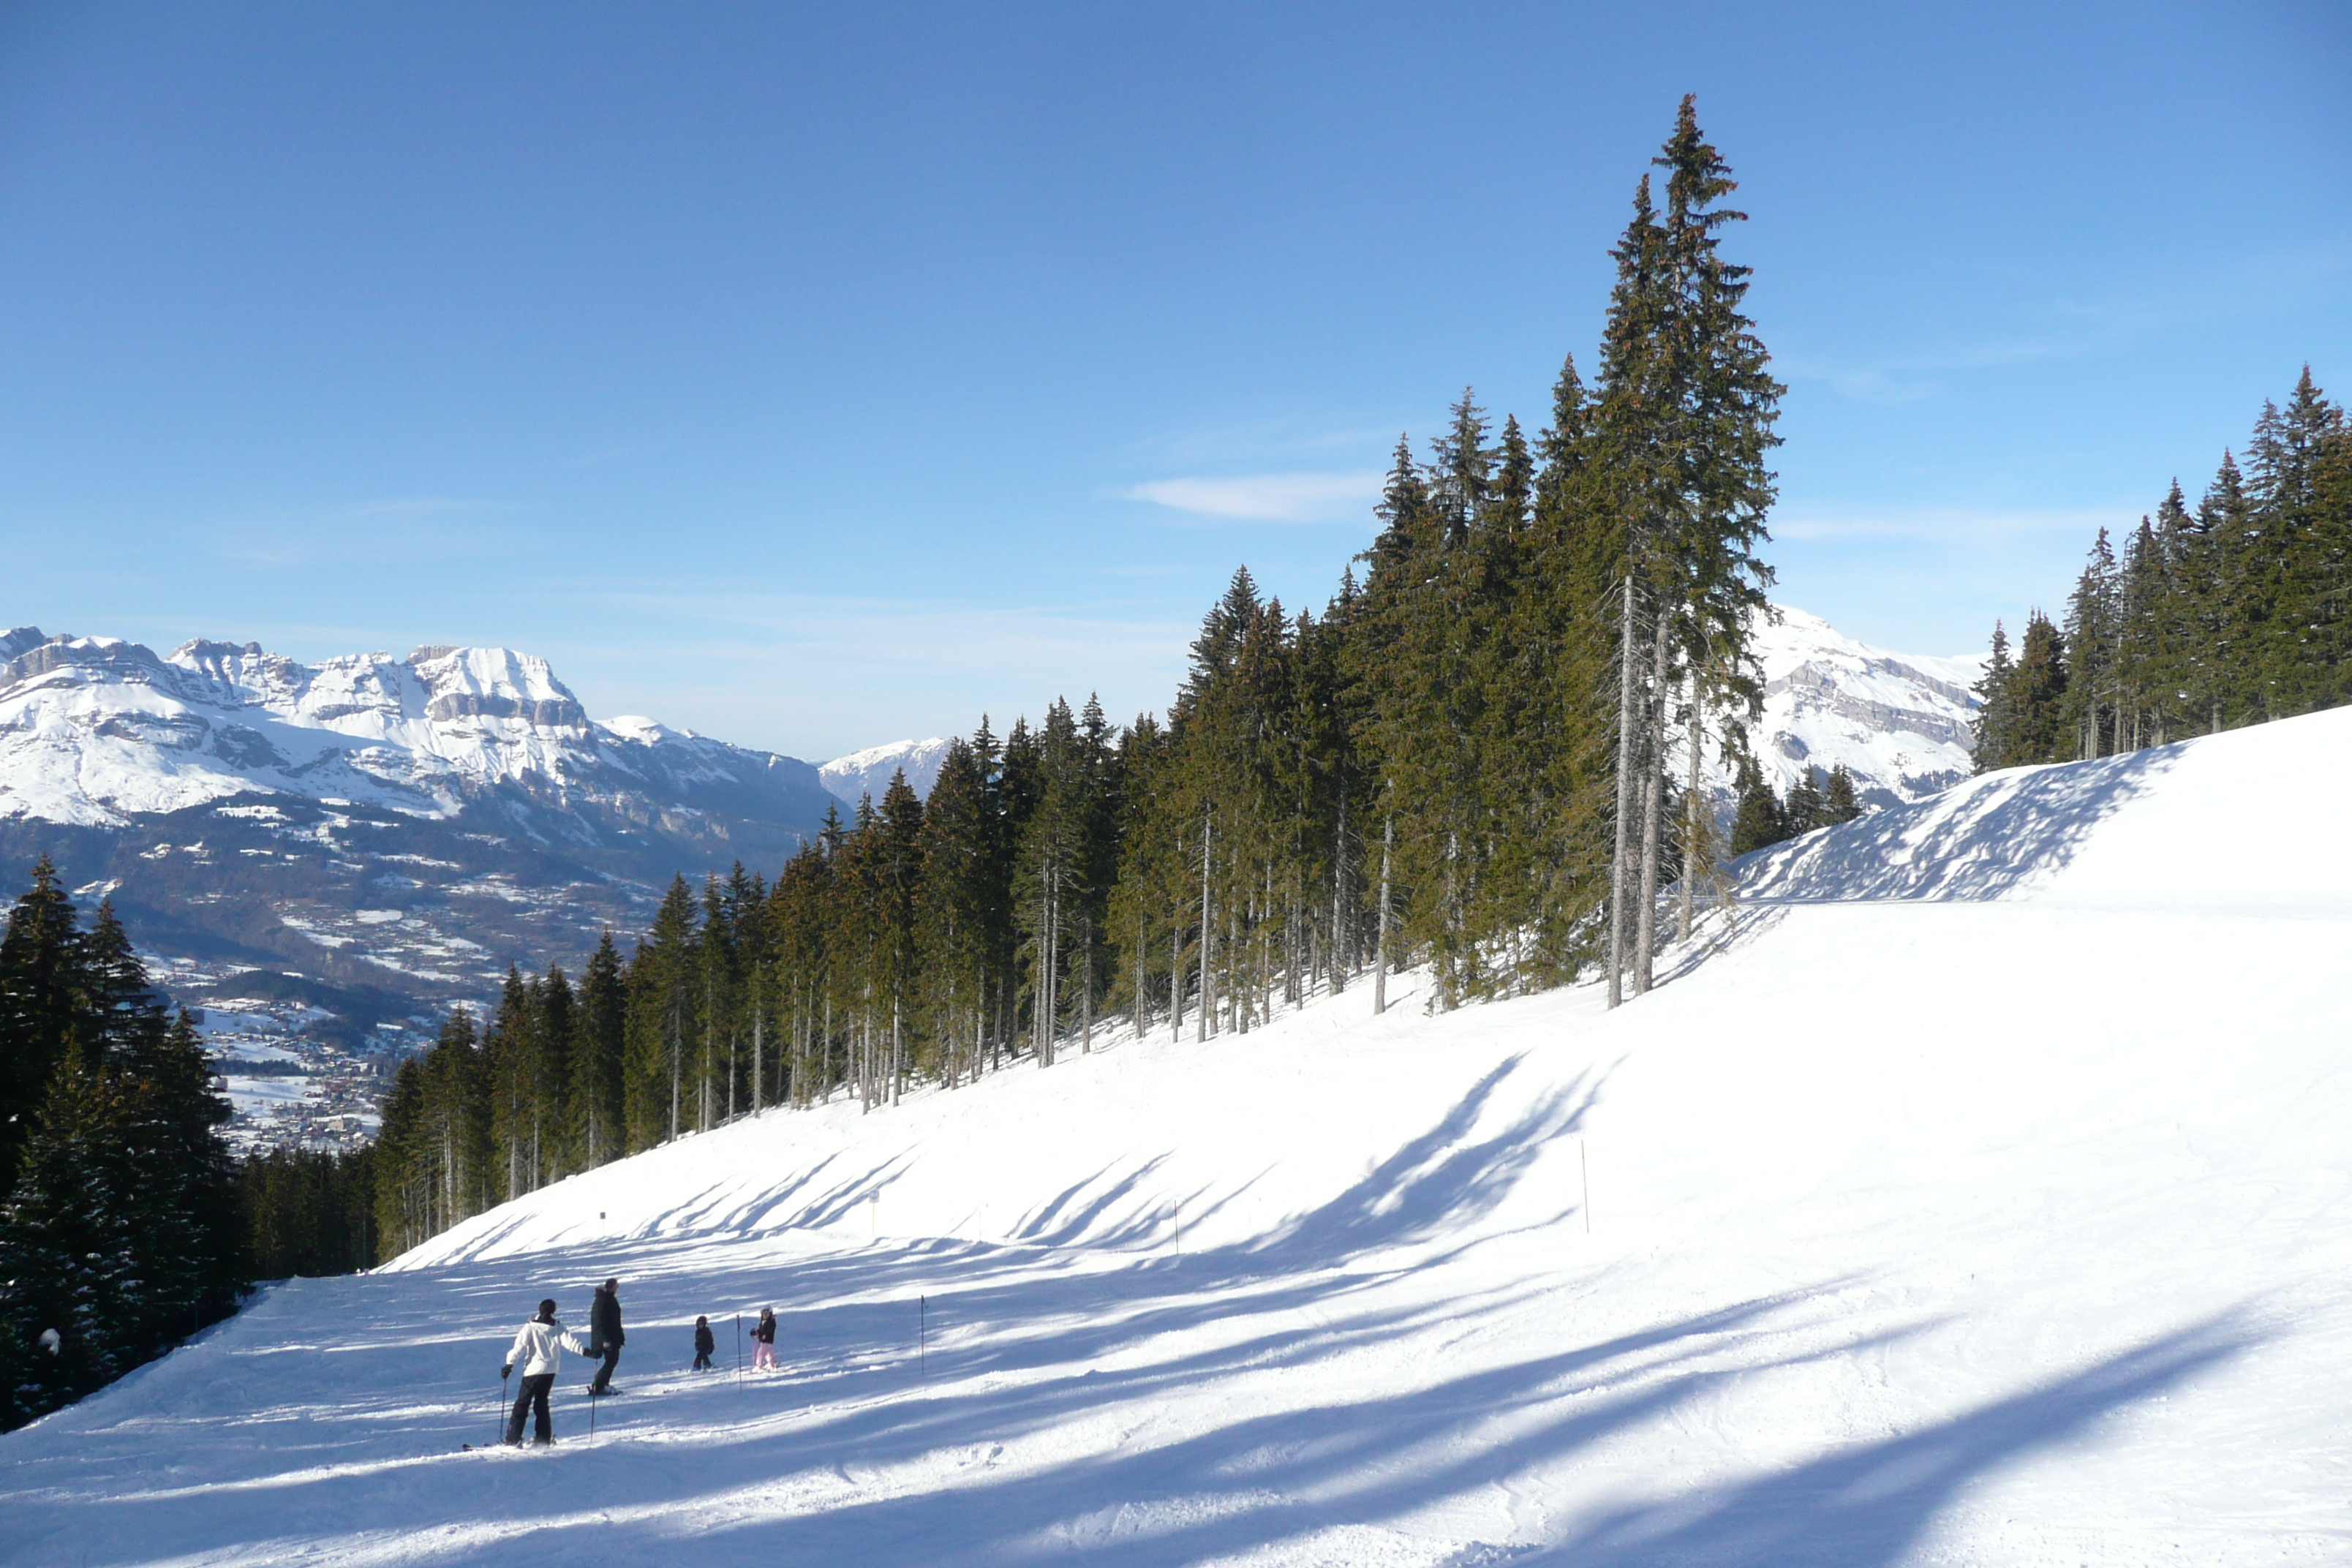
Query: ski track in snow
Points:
[1975, 1193]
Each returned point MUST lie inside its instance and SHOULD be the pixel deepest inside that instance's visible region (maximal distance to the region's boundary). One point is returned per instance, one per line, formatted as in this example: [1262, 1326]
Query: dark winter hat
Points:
[611, 1284]
[547, 1307]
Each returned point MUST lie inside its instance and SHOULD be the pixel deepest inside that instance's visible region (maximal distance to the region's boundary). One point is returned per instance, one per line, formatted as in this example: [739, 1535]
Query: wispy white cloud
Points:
[1267, 497]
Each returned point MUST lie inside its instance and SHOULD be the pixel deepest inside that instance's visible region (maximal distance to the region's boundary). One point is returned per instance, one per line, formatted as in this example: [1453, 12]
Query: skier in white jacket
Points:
[538, 1348]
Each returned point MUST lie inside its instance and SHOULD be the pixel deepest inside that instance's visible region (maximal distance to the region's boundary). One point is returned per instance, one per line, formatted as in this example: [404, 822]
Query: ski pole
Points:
[498, 1421]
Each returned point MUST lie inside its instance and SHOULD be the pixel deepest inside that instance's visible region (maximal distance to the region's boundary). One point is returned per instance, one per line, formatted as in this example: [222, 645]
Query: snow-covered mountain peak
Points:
[496, 683]
[96, 730]
[867, 773]
[635, 729]
[1898, 722]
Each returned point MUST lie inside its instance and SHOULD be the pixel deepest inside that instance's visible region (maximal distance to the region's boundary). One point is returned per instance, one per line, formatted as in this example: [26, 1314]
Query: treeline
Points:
[308, 1212]
[2233, 613]
[1481, 756]
[121, 1232]
[1764, 818]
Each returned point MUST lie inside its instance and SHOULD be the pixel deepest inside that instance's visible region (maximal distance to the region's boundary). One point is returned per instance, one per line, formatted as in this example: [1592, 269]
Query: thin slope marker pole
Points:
[923, 1336]
[1585, 1169]
[738, 1353]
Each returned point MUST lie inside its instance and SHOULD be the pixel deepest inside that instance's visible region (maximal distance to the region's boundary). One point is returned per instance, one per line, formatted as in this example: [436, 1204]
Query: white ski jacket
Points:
[538, 1348]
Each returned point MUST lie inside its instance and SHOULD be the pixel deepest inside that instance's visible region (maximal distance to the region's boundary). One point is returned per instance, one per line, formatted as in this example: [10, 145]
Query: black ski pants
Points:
[605, 1372]
[533, 1399]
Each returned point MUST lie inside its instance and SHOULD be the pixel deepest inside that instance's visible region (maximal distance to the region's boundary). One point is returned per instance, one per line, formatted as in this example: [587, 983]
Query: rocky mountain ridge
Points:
[323, 858]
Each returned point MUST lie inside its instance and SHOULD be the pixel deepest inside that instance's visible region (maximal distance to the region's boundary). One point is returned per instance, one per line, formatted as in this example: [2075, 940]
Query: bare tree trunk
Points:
[710, 1053]
[1654, 803]
[1381, 941]
[1176, 981]
[676, 1049]
[1698, 741]
[1625, 752]
[897, 1056]
[1340, 956]
[1207, 1025]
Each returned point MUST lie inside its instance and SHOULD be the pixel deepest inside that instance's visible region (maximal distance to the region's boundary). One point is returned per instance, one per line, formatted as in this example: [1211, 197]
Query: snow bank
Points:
[1975, 1192]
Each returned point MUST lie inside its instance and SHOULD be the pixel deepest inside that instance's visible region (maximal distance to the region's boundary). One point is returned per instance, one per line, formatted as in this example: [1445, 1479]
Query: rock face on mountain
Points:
[1898, 722]
[330, 854]
[96, 731]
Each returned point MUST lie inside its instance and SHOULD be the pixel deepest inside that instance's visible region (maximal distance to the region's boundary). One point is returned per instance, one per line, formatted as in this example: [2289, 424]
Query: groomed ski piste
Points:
[1978, 1191]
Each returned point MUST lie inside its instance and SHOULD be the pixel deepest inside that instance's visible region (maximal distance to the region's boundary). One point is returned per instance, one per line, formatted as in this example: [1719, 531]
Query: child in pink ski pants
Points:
[764, 1340]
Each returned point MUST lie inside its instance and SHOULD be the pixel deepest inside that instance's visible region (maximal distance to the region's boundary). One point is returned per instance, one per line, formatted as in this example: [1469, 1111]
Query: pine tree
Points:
[1806, 808]
[39, 962]
[68, 1269]
[2037, 712]
[1994, 726]
[1759, 821]
[1840, 804]
[600, 1120]
[179, 1181]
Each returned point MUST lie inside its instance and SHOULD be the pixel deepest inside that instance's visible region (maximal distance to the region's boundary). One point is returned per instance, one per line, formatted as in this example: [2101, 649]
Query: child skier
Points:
[764, 1340]
[703, 1344]
[539, 1347]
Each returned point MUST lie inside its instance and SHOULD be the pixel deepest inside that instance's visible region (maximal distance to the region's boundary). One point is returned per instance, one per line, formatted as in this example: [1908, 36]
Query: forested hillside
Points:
[119, 1233]
[1463, 760]
[2232, 614]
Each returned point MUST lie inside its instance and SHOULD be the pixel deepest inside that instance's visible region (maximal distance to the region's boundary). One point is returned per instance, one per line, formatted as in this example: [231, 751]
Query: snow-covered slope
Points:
[867, 773]
[1898, 722]
[94, 731]
[1976, 1192]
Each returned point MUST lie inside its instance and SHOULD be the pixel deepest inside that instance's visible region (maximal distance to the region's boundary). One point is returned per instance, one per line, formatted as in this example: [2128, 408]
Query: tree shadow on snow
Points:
[1983, 840]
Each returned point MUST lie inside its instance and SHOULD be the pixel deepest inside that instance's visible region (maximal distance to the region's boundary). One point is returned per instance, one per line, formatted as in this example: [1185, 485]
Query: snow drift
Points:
[1975, 1190]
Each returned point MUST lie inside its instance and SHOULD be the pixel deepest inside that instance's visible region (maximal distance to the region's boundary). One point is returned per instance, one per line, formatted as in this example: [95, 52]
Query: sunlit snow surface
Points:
[1979, 1195]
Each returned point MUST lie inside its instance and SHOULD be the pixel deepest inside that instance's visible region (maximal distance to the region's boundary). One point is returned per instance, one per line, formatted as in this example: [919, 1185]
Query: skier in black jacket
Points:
[703, 1344]
[604, 1336]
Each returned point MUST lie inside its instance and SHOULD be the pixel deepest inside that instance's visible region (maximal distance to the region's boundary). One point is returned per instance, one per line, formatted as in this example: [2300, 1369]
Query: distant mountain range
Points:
[324, 857]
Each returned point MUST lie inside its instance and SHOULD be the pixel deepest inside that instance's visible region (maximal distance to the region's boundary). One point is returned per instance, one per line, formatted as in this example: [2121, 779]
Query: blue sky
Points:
[814, 376]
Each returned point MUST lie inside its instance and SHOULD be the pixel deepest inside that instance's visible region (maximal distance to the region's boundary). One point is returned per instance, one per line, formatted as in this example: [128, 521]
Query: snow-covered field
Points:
[1981, 1193]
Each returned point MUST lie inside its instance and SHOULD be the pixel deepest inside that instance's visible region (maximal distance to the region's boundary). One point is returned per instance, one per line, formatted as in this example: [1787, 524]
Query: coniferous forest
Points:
[121, 1234]
[1472, 758]
[2230, 614]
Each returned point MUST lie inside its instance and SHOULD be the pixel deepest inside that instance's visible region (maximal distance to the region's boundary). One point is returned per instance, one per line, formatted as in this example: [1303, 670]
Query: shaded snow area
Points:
[1977, 1192]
